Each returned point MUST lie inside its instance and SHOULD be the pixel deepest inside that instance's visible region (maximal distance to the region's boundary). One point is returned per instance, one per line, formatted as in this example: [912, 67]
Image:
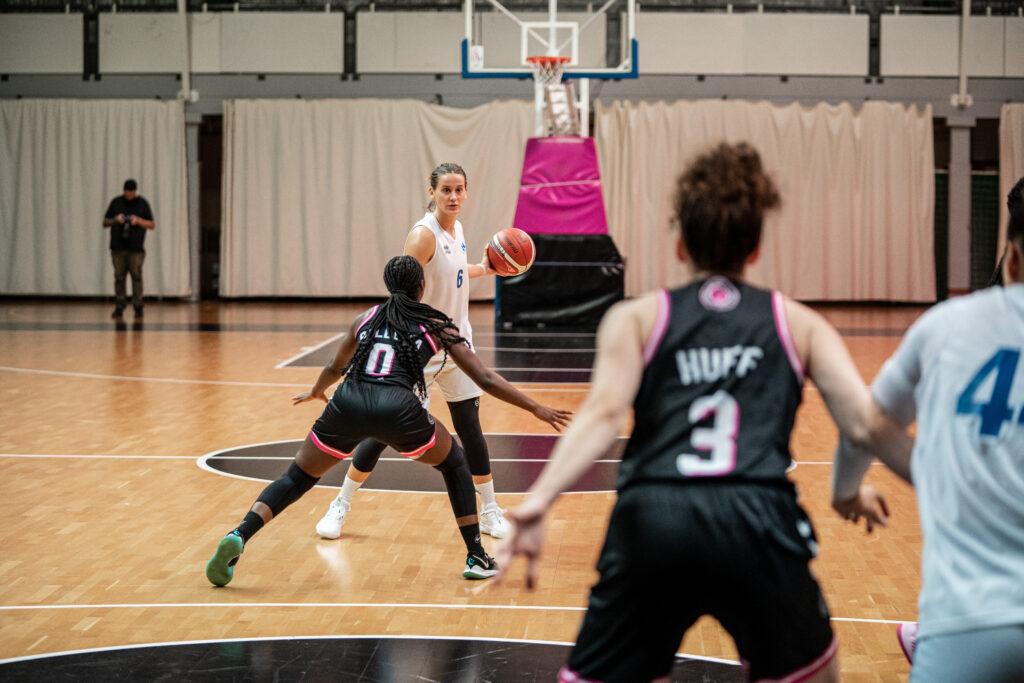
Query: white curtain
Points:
[61, 162]
[857, 192]
[319, 194]
[1011, 160]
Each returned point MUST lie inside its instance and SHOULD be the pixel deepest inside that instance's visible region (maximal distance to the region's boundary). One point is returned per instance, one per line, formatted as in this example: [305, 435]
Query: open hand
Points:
[553, 416]
[308, 396]
[869, 503]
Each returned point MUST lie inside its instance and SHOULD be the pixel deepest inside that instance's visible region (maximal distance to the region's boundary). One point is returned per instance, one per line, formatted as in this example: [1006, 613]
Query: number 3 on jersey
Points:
[997, 410]
[719, 439]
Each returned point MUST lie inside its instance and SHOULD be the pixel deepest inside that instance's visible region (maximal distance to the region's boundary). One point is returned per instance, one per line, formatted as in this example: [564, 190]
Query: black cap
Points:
[130, 185]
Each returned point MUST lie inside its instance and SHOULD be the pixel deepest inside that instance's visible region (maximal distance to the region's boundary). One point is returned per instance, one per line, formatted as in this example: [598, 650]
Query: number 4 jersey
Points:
[959, 370]
[720, 389]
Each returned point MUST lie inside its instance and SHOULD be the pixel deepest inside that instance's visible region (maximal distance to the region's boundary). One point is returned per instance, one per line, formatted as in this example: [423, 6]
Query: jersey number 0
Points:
[380, 360]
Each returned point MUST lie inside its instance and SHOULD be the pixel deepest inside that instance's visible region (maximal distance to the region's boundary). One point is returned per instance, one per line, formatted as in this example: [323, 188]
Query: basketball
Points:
[510, 252]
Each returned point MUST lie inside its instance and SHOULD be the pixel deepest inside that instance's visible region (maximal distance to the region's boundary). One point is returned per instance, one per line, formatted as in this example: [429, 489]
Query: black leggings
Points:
[465, 417]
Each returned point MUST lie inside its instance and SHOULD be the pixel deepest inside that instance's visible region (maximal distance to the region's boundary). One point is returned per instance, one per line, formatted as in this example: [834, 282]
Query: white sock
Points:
[486, 492]
[348, 489]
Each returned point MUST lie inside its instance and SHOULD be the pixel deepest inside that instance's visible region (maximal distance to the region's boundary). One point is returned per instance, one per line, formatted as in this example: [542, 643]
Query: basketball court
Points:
[121, 474]
[128, 448]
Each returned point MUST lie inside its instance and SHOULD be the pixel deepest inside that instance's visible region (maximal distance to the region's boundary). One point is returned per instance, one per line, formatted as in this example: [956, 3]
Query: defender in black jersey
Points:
[706, 520]
[382, 359]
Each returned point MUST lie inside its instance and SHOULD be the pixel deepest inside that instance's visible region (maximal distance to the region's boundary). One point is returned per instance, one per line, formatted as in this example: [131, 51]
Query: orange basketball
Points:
[510, 252]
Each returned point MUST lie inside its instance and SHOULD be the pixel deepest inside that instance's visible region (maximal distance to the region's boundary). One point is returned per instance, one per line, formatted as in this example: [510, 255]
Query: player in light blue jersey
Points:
[959, 372]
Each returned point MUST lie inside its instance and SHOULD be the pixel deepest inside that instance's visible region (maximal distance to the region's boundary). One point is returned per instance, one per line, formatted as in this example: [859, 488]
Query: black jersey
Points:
[385, 365]
[720, 389]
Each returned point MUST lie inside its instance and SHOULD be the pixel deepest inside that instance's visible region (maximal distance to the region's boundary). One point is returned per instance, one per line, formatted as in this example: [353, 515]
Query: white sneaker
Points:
[330, 524]
[493, 522]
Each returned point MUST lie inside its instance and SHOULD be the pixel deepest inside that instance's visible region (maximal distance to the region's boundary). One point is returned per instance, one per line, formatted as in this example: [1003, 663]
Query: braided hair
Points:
[403, 314]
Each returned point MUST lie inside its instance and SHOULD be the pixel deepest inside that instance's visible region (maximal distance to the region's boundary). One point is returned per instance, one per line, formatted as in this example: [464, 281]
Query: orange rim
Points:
[548, 60]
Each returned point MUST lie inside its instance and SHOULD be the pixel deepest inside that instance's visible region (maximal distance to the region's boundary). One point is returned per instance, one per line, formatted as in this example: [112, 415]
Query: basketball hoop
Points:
[555, 101]
[547, 69]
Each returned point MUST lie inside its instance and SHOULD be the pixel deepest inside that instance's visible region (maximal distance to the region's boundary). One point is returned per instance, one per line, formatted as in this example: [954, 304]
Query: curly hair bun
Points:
[720, 202]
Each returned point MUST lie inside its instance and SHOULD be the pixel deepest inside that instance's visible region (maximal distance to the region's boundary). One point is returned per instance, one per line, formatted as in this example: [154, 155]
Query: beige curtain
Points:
[1011, 160]
[61, 162]
[857, 189]
[318, 194]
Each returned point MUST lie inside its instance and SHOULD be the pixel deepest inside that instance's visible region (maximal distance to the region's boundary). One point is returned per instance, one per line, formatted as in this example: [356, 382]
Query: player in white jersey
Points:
[959, 372]
[438, 243]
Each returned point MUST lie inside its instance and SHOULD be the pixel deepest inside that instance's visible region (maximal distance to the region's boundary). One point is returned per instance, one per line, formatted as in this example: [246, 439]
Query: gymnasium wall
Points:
[392, 42]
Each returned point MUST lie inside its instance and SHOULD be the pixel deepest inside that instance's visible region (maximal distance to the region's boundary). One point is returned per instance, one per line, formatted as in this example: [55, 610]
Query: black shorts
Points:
[737, 552]
[359, 410]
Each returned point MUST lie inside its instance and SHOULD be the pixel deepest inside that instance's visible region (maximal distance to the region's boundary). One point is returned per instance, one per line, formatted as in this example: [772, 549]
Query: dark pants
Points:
[128, 262]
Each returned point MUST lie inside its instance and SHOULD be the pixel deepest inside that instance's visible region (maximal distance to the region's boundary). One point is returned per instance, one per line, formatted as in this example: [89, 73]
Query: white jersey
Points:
[960, 367]
[447, 274]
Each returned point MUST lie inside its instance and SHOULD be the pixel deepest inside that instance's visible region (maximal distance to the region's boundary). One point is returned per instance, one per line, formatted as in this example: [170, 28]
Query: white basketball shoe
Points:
[493, 522]
[330, 524]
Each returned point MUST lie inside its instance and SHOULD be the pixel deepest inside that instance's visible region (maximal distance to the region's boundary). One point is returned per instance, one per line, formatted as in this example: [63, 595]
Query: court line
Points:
[547, 386]
[346, 605]
[390, 636]
[309, 349]
[538, 387]
[132, 456]
[201, 462]
[97, 456]
[288, 457]
[161, 380]
[519, 350]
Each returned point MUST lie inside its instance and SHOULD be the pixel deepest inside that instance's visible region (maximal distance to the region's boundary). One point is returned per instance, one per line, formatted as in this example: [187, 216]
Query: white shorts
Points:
[454, 383]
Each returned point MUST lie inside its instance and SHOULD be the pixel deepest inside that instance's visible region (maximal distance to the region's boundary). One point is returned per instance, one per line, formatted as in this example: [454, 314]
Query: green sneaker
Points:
[221, 567]
[480, 566]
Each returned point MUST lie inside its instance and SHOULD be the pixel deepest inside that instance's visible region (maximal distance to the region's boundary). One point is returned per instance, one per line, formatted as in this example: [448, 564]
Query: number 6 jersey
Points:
[959, 370]
[720, 389]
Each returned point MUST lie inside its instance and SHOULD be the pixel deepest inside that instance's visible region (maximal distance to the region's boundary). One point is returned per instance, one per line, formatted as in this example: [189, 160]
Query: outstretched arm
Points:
[497, 386]
[618, 369]
[864, 428]
[333, 371]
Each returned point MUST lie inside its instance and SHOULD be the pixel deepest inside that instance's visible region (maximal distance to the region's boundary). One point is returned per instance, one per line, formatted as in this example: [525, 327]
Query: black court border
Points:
[240, 659]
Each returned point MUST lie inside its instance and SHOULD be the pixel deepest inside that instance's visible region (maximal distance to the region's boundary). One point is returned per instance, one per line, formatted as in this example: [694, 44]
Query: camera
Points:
[126, 227]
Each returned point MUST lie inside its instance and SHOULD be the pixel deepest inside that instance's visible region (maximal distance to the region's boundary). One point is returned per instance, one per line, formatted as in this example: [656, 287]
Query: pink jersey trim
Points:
[368, 318]
[430, 340]
[327, 449]
[782, 329]
[809, 670]
[422, 449]
[660, 326]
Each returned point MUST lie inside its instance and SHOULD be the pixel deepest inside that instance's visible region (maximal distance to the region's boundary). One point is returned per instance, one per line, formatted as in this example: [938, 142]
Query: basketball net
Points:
[560, 116]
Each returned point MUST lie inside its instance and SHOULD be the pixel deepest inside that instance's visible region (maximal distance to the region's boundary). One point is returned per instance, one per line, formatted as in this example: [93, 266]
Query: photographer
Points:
[128, 217]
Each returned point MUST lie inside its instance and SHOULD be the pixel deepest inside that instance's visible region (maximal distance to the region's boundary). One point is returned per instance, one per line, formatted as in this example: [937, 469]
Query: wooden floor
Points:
[109, 520]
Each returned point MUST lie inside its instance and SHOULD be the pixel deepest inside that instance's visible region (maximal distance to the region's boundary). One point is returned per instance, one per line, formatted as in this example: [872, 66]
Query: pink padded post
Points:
[560, 189]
